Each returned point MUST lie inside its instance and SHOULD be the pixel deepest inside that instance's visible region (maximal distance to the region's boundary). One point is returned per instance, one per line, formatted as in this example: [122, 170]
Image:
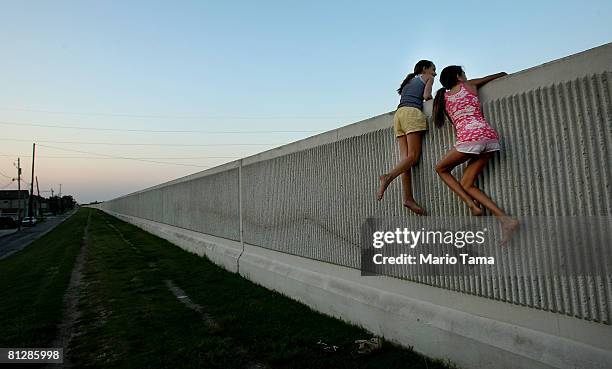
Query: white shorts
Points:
[478, 147]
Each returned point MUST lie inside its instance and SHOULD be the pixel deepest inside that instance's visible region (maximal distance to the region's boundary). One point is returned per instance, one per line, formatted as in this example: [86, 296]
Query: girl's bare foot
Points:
[416, 208]
[385, 179]
[476, 210]
[508, 227]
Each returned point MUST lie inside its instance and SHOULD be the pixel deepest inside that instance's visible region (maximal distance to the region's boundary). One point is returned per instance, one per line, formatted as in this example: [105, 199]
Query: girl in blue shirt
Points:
[409, 123]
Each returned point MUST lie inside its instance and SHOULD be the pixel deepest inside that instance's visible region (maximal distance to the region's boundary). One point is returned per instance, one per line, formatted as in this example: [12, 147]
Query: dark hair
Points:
[448, 78]
[418, 69]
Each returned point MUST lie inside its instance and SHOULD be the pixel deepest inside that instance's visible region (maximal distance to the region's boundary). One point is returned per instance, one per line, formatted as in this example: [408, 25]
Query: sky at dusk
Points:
[182, 86]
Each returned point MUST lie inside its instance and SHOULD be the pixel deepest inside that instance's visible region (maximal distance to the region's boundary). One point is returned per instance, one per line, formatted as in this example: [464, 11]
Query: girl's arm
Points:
[428, 85]
[479, 82]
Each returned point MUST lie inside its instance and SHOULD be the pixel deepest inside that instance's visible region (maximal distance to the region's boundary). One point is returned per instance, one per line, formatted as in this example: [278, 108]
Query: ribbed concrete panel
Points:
[207, 204]
[557, 153]
[555, 161]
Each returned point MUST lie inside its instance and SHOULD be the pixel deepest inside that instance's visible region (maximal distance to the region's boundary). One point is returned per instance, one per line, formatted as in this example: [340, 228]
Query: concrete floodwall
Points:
[206, 202]
[303, 203]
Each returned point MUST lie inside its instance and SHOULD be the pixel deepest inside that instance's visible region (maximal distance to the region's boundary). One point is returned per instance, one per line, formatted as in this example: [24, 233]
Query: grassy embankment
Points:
[129, 317]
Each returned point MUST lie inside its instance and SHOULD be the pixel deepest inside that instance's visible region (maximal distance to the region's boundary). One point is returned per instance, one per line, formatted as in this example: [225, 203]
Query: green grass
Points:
[130, 318]
[32, 285]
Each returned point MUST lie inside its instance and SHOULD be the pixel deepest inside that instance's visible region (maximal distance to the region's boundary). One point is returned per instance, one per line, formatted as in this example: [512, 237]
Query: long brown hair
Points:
[418, 69]
[448, 78]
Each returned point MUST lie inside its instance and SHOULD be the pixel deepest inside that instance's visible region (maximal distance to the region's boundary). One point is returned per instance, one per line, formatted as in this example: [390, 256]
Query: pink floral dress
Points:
[473, 134]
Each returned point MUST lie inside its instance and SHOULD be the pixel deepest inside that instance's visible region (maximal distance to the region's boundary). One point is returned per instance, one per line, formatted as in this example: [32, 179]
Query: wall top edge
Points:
[207, 172]
[592, 61]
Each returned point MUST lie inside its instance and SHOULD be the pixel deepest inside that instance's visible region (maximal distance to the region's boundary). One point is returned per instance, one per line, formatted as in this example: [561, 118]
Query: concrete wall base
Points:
[470, 331]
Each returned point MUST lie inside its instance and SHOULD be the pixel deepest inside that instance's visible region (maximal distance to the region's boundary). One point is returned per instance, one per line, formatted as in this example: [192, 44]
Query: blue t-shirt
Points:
[412, 93]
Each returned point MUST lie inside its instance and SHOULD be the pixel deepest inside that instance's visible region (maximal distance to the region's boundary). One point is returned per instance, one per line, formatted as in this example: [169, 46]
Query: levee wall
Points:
[289, 219]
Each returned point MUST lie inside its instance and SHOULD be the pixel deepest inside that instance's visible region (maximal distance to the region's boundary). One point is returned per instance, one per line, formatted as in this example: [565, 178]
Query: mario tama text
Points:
[410, 259]
[419, 243]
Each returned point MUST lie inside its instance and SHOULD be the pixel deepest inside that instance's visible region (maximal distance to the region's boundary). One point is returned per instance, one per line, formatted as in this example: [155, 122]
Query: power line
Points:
[122, 157]
[2, 174]
[155, 130]
[141, 144]
[245, 117]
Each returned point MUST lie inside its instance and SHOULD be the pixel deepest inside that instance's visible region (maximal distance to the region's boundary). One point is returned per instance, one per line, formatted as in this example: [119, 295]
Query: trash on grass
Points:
[327, 347]
[368, 346]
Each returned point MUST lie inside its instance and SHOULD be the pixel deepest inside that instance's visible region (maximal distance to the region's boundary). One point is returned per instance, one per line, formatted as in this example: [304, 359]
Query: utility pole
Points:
[38, 199]
[30, 205]
[18, 194]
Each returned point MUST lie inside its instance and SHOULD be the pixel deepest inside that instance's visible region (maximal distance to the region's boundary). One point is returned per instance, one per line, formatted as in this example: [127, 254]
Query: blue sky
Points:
[227, 65]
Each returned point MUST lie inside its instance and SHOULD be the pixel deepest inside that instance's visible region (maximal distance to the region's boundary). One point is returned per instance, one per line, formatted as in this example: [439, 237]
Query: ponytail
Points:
[439, 110]
[418, 69]
[449, 78]
[406, 80]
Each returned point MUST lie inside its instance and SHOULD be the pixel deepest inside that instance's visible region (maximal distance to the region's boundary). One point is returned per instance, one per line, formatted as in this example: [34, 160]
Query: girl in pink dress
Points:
[476, 141]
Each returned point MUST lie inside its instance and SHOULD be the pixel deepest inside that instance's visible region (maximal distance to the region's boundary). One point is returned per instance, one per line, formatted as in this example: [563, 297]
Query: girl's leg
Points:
[444, 168]
[410, 148]
[471, 172]
[404, 164]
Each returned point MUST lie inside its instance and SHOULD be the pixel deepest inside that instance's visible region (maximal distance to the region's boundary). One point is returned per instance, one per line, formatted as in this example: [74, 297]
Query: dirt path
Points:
[182, 297]
[208, 320]
[70, 312]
